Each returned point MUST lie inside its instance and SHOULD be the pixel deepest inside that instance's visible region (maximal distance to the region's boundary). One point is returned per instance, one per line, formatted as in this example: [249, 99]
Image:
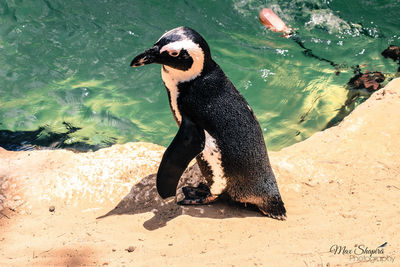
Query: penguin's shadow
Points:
[144, 197]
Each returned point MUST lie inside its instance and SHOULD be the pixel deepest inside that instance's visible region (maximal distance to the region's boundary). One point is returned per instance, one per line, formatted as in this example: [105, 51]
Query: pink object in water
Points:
[272, 21]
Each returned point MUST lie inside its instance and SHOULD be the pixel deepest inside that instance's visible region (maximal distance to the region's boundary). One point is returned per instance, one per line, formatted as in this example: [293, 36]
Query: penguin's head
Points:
[182, 52]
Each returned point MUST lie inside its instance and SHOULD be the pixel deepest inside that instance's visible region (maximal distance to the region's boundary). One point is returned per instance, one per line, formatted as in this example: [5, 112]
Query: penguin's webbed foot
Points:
[197, 195]
[275, 209]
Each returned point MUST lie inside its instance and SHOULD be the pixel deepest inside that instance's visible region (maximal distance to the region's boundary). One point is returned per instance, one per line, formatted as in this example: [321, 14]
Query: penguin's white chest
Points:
[212, 155]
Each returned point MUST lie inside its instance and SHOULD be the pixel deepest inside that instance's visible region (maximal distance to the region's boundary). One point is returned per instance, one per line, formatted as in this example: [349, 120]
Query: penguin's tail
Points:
[274, 208]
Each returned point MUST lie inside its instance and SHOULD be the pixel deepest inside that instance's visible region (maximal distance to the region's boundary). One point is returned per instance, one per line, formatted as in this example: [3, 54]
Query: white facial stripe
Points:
[178, 45]
[212, 154]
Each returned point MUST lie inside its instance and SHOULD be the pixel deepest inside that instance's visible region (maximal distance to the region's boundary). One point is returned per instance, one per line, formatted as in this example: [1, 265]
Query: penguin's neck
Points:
[172, 77]
[171, 82]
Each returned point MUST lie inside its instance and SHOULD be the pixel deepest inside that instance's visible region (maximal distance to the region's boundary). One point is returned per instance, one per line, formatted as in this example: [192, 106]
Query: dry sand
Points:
[340, 187]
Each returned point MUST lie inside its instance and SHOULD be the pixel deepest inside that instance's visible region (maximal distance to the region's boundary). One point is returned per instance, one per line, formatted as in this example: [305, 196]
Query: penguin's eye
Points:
[173, 53]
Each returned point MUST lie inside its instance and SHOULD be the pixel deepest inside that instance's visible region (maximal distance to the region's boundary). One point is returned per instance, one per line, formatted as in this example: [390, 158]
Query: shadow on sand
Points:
[143, 198]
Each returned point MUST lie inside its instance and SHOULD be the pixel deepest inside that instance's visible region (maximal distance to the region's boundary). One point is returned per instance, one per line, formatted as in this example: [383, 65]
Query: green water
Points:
[68, 61]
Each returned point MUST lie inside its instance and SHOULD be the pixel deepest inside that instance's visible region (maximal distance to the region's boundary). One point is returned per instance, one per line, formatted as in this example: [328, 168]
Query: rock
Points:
[130, 249]
[83, 179]
[369, 80]
[393, 52]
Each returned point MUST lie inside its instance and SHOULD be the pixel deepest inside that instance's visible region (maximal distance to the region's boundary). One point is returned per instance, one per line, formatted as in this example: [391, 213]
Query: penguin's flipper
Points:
[187, 144]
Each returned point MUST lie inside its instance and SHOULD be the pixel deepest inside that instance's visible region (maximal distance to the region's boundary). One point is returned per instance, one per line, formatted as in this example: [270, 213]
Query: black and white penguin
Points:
[216, 125]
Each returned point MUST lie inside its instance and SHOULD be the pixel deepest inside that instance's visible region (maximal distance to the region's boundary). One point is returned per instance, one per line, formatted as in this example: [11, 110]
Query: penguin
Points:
[216, 126]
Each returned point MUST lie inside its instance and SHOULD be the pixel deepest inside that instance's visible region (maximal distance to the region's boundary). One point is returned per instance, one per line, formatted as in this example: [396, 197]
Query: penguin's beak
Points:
[147, 57]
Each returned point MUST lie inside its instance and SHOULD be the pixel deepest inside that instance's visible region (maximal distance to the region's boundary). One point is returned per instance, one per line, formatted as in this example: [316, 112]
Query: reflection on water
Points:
[68, 61]
[45, 139]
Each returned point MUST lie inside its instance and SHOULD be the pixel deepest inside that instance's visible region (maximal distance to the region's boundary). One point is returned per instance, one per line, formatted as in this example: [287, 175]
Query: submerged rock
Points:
[371, 81]
[393, 52]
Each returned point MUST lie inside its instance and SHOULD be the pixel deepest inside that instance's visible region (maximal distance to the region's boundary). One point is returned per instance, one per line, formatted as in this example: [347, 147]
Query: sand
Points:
[340, 187]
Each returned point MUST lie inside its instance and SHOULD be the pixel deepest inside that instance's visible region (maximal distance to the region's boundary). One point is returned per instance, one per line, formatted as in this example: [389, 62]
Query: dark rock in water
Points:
[360, 86]
[393, 52]
[368, 80]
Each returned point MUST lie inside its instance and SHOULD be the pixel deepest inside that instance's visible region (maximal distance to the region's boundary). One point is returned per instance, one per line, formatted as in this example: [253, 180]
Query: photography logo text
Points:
[363, 253]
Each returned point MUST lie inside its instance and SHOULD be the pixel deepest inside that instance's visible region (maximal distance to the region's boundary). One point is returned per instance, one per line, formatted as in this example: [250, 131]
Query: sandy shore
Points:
[341, 189]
